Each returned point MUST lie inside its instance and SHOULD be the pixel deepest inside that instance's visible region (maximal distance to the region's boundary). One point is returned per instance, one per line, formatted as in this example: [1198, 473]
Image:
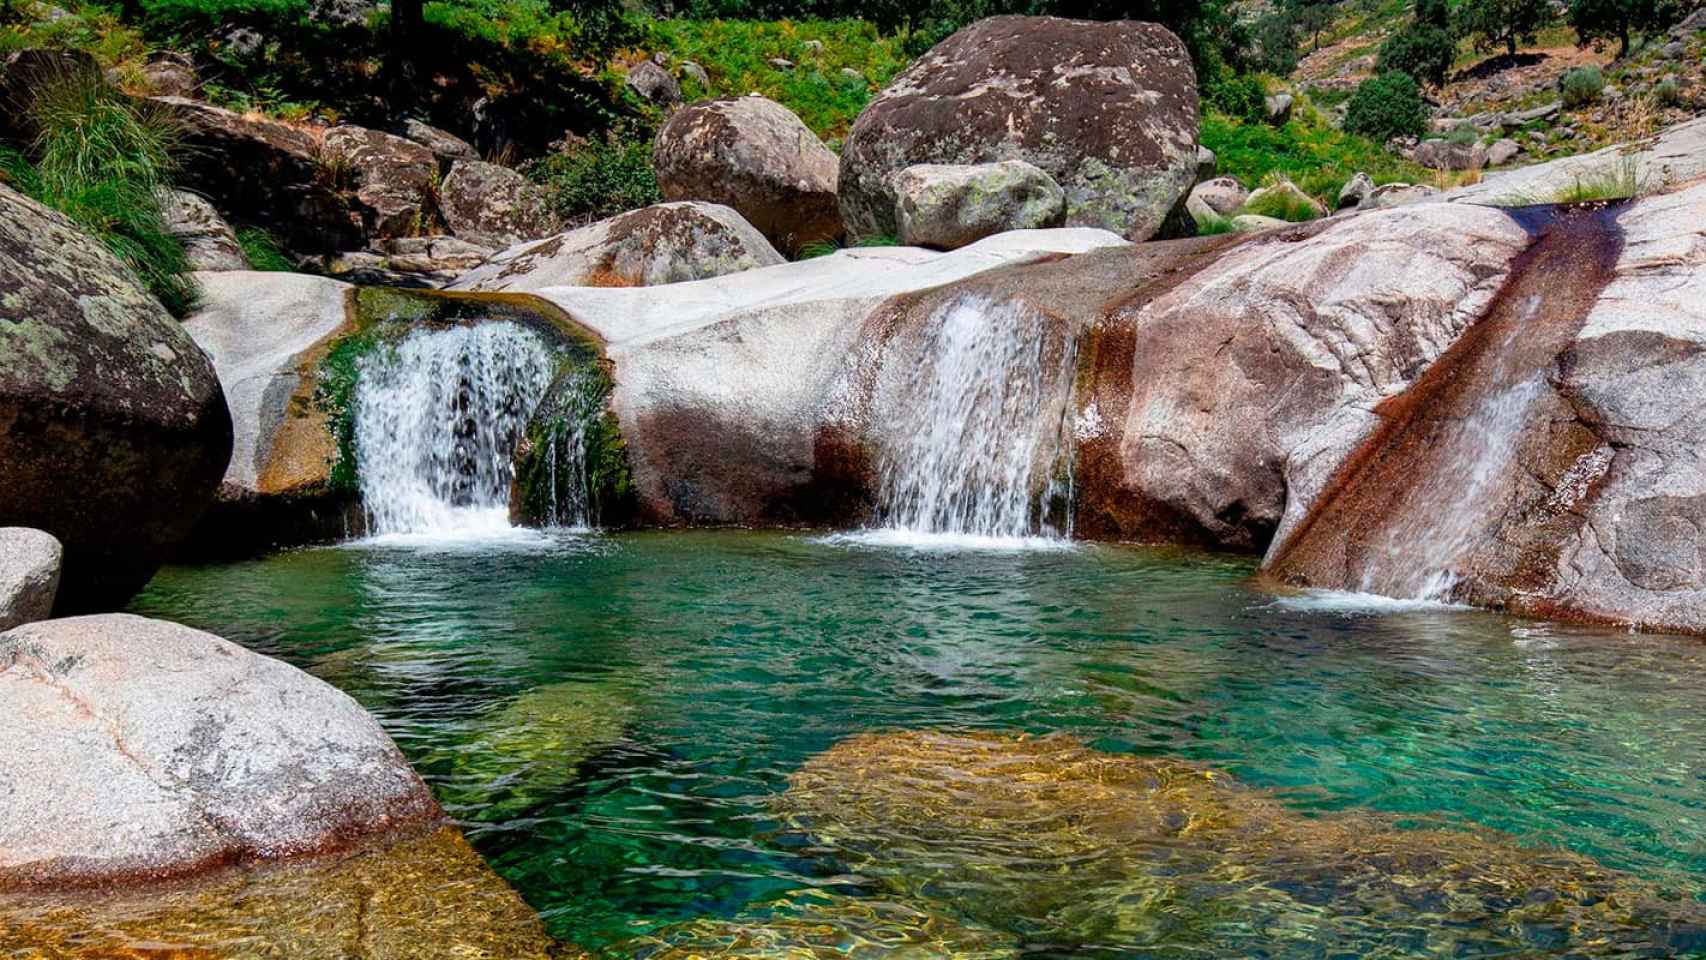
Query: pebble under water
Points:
[773, 744]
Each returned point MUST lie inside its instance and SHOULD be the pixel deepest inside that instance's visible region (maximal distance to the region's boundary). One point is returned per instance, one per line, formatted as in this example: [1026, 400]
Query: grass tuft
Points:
[263, 251]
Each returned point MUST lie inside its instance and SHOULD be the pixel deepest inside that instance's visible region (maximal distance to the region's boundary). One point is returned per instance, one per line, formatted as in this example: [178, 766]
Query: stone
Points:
[693, 71]
[753, 155]
[1501, 152]
[438, 258]
[813, 46]
[145, 750]
[1290, 193]
[393, 178]
[1109, 110]
[1207, 164]
[1255, 223]
[1356, 191]
[781, 63]
[1445, 155]
[113, 428]
[493, 206]
[171, 75]
[947, 206]
[1673, 50]
[1220, 197]
[264, 172]
[665, 243]
[29, 575]
[1399, 194]
[653, 84]
[1278, 107]
[852, 74]
[446, 146]
[208, 240]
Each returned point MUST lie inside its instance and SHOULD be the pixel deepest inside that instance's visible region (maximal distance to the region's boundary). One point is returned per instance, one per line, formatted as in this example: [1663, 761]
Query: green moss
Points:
[335, 395]
[578, 400]
[1307, 150]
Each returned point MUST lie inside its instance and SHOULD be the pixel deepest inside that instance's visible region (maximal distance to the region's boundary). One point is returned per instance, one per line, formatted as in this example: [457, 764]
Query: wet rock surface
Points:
[144, 749]
[113, 426]
[1109, 110]
[753, 155]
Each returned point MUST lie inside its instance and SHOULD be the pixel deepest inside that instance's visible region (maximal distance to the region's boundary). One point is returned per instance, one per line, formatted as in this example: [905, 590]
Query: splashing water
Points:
[980, 456]
[573, 409]
[436, 424]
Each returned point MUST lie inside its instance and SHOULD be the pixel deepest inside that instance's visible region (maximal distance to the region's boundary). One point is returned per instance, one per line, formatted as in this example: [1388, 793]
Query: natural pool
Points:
[614, 719]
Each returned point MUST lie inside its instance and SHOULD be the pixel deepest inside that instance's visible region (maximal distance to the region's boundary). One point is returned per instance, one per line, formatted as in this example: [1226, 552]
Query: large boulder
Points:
[950, 205]
[754, 155]
[653, 84]
[113, 427]
[209, 242]
[1446, 155]
[393, 178]
[1109, 110]
[268, 173]
[493, 206]
[143, 749]
[446, 146]
[665, 243]
[29, 575]
[1218, 198]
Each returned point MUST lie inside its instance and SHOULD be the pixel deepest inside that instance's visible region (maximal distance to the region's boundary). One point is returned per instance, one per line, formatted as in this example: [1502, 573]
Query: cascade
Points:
[979, 447]
[437, 419]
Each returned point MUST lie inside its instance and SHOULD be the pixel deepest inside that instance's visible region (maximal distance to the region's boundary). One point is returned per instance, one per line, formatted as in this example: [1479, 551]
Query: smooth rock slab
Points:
[29, 575]
[138, 748]
[948, 206]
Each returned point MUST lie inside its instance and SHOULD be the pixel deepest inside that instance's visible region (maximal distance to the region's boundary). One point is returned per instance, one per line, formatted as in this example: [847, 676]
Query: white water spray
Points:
[436, 424]
[980, 449]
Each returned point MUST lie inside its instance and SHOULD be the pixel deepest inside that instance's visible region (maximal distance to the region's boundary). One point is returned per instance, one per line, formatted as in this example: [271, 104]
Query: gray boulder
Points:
[29, 575]
[1278, 106]
[653, 84]
[947, 206]
[1445, 155]
[1220, 197]
[493, 206]
[1399, 194]
[113, 427]
[145, 749]
[696, 73]
[1109, 110]
[208, 240]
[754, 155]
[1501, 152]
[1207, 164]
[1675, 155]
[393, 178]
[665, 243]
[1356, 191]
[1256, 223]
[446, 146]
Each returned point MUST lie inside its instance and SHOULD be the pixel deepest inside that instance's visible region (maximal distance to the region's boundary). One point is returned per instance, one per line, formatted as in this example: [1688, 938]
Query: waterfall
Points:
[979, 444]
[437, 419]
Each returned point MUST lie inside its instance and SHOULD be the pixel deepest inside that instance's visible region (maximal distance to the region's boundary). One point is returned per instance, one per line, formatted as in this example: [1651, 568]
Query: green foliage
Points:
[1306, 150]
[1275, 40]
[1502, 23]
[817, 248]
[1582, 86]
[105, 161]
[1619, 181]
[1386, 106]
[1597, 21]
[1281, 204]
[599, 179]
[578, 402]
[1463, 134]
[736, 55]
[95, 30]
[1668, 92]
[334, 395]
[1422, 50]
[262, 251]
[1237, 95]
[1213, 224]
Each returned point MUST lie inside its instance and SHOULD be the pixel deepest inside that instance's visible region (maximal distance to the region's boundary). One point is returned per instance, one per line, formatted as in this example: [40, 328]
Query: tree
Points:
[1422, 50]
[1596, 21]
[1506, 23]
[1386, 106]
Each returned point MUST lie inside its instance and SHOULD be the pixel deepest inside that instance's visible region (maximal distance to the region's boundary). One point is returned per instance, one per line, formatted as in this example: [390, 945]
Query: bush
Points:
[1668, 92]
[262, 251]
[1422, 50]
[598, 180]
[1582, 86]
[1386, 106]
[1282, 203]
[1239, 96]
[104, 161]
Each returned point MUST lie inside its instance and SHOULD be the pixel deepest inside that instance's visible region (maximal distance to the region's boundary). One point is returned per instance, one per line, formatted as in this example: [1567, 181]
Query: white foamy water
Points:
[436, 424]
[893, 538]
[979, 447]
[1351, 602]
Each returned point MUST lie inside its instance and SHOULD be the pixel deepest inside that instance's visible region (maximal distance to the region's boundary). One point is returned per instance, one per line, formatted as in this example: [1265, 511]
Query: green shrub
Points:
[1618, 181]
[262, 251]
[598, 180]
[1386, 106]
[1668, 92]
[1464, 134]
[1282, 204]
[1582, 86]
[1422, 50]
[105, 161]
[1239, 96]
[1213, 224]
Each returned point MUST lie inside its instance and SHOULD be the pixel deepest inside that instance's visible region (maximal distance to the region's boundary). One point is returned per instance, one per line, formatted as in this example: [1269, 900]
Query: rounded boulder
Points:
[1109, 110]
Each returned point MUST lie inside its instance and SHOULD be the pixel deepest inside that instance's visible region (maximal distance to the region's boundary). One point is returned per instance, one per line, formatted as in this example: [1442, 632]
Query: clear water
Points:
[614, 717]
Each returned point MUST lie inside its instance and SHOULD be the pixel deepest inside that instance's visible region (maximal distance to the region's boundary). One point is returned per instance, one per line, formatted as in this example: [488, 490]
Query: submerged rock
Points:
[29, 575]
[1109, 110]
[755, 156]
[1171, 856]
[947, 206]
[424, 896]
[143, 749]
[662, 244]
[113, 427]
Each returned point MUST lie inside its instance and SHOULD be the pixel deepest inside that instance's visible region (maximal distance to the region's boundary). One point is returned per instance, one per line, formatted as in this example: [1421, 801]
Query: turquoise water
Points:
[613, 718]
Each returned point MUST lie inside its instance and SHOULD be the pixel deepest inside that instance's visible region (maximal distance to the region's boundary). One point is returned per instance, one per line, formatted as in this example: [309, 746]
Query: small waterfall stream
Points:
[437, 419]
[979, 448]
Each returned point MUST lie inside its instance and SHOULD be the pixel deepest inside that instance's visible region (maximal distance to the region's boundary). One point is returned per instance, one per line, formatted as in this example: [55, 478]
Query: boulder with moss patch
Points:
[947, 206]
